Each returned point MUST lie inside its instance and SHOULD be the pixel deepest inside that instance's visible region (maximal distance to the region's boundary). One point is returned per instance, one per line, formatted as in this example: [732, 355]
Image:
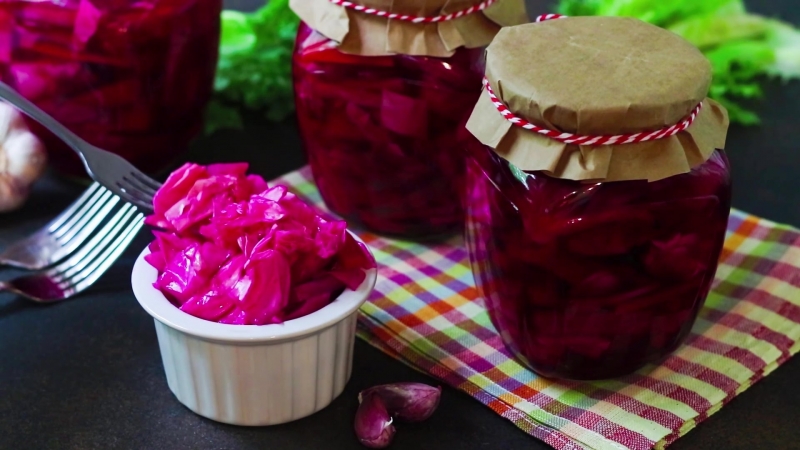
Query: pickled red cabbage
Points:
[232, 249]
[128, 76]
[594, 280]
[385, 135]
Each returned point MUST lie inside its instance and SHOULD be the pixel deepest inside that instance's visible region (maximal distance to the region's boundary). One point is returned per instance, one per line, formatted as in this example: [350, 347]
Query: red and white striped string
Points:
[414, 19]
[544, 17]
[577, 139]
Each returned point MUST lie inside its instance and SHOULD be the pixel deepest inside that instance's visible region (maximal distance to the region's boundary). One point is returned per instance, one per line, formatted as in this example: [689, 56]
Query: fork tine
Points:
[62, 235]
[92, 272]
[94, 246]
[145, 205]
[74, 207]
[86, 209]
[75, 239]
[131, 197]
[155, 185]
[98, 210]
[137, 184]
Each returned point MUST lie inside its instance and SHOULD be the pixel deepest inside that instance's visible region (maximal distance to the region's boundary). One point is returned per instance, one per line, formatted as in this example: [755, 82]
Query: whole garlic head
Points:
[22, 158]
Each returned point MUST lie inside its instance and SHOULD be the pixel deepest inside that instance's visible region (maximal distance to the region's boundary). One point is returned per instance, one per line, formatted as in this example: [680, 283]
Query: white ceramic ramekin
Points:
[249, 374]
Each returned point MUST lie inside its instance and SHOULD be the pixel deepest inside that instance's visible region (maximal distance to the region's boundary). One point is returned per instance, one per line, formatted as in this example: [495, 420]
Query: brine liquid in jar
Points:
[384, 135]
[594, 280]
[131, 77]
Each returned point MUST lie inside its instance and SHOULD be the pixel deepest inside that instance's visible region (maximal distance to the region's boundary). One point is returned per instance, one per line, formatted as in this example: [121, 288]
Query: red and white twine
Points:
[577, 139]
[414, 19]
[544, 17]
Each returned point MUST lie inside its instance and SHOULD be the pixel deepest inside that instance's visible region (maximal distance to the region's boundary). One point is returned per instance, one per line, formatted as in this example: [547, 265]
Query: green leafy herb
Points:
[254, 69]
[741, 46]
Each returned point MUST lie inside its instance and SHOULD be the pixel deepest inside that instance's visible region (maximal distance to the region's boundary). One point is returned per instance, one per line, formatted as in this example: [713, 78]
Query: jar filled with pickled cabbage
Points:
[382, 103]
[129, 76]
[598, 197]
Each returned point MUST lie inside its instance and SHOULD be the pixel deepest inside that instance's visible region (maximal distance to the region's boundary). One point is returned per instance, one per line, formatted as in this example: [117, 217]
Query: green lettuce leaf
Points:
[658, 12]
[255, 65]
[785, 41]
[711, 30]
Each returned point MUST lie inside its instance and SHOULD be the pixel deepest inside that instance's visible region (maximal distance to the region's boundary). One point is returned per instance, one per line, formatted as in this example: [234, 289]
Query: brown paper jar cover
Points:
[364, 34]
[598, 76]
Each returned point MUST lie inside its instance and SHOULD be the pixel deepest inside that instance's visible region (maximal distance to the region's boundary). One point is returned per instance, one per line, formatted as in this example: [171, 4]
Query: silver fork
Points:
[112, 171]
[64, 234]
[82, 269]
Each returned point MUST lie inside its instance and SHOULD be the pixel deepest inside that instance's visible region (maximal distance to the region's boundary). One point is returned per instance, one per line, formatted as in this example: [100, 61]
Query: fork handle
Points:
[13, 97]
[6, 286]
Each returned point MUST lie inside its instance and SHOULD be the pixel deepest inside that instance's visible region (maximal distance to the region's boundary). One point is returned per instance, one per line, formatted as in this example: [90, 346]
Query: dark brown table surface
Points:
[87, 374]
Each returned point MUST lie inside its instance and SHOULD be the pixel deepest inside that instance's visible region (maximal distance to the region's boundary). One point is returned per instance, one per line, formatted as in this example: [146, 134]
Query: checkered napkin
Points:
[426, 311]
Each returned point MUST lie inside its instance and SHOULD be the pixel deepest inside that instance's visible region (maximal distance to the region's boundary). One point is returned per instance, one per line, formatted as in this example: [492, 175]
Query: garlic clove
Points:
[12, 193]
[25, 157]
[22, 158]
[373, 424]
[409, 402]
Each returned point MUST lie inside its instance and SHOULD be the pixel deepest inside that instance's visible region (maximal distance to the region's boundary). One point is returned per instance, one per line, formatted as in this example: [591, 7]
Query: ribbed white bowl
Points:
[248, 374]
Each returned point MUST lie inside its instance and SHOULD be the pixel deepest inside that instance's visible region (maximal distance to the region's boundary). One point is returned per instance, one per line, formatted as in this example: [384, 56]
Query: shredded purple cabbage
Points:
[232, 249]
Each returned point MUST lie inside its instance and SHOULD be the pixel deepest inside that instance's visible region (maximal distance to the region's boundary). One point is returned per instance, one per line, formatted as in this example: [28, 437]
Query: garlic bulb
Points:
[22, 158]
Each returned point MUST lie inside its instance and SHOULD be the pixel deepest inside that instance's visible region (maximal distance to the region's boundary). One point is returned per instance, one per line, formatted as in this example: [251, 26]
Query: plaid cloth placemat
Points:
[426, 312]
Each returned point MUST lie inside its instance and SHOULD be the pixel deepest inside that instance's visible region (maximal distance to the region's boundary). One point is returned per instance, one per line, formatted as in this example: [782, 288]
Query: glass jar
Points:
[384, 135]
[594, 280]
[129, 76]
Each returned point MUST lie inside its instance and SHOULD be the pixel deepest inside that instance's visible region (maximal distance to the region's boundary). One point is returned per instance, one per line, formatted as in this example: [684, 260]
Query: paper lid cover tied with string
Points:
[598, 98]
[409, 27]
